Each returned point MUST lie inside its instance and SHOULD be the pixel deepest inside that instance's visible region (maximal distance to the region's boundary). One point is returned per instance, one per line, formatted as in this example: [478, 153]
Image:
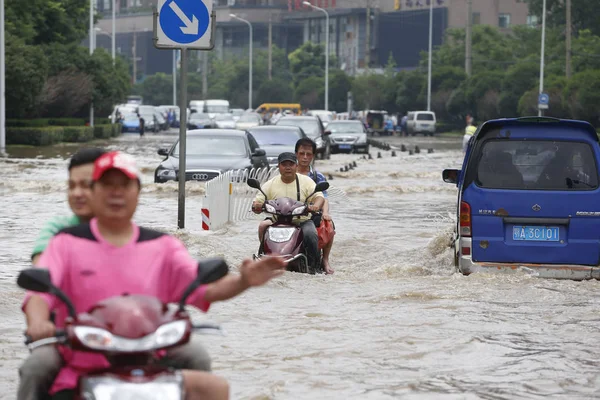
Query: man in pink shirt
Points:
[111, 255]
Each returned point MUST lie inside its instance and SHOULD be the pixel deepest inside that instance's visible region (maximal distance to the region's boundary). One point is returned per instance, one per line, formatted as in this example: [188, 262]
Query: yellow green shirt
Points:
[275, 188]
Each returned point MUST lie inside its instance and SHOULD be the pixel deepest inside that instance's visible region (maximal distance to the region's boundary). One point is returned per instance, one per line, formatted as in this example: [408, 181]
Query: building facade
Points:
[362, 33]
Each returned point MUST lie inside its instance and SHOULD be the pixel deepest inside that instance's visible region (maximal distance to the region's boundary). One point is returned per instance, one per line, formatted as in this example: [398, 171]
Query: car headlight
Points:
[164, 387]
[362, 139]
[279, 235]
[101, 339]
[270, 209]
[167, 173]
[298, 210]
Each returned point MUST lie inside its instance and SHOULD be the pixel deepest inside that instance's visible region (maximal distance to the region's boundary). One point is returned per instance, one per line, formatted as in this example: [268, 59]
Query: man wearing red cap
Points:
[111, 255]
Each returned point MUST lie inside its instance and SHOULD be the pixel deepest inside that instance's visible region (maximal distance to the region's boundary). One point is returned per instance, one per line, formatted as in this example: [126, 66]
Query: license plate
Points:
[345, 146]
[536, 233]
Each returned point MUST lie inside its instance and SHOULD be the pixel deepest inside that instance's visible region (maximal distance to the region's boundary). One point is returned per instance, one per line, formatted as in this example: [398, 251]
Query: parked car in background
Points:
[529, 199]
[237, 113]
[325, 116]
[198, 120]
[224, 121]
[130, 123]
[313, 128]
[421, 122]
[276, 139]
[248, 120]
[348, 136]
[211, 152]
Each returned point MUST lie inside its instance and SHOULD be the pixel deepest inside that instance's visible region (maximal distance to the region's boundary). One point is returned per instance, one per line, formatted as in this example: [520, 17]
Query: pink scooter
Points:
[284, 238]
[130, 348]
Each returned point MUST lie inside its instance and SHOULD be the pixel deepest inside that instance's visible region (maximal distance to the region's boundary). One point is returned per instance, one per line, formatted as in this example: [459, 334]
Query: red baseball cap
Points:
[116, 160]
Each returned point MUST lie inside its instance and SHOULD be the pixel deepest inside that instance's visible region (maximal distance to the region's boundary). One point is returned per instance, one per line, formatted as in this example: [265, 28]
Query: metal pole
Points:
[468, 39]
[540, 113]
[429, 64]
[182, 139]
[174, 77]
[250, 72]
[270, 50]
[327, 49]
[114, 31]
[569, 33]
[368, 36]
[250, 56]
[2, 83]
[92, 52]
[326, 60]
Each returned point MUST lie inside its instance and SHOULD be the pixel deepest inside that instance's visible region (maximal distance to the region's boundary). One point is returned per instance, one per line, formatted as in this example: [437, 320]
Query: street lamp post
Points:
[96, 30]
[430, 48]
[250, 67]
[306, 3]
[542, 54]
[92, 45]
[114, 31]
[2, 83]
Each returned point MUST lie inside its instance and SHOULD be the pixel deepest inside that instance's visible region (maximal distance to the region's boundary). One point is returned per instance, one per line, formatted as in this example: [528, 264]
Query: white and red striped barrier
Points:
[228, 198]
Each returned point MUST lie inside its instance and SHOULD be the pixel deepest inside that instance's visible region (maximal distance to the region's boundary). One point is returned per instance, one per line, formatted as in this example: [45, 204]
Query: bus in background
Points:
[135, 99]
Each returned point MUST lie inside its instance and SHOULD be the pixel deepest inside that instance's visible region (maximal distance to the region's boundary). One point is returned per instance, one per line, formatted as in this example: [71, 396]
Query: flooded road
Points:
[394, 321]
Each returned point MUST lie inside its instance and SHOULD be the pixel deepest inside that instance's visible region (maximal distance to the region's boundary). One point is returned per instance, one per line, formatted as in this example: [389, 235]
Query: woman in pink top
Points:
[112, 255]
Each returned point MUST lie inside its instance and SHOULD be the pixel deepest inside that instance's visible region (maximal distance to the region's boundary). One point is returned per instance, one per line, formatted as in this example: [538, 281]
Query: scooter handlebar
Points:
[59, 337]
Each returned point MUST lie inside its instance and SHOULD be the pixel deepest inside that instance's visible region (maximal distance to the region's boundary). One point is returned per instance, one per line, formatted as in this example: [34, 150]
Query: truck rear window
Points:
[537, 165]
[425, 117]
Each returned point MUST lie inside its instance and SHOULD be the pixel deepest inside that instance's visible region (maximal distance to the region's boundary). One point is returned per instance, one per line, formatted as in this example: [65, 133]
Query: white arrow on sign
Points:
[191, 27]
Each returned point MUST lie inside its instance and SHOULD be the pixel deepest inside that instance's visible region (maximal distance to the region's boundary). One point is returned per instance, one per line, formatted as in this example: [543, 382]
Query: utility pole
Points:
[133, 52]
[469, 39]
[540, 113]
[204, 75]
[270, 68]
[569, 33]
[368, 36]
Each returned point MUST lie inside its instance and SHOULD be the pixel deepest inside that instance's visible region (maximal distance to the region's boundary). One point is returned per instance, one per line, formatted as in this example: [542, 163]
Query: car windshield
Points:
[217, 109]
[336, 127]
[224, 117]
[216, 146]
[130, 117]
[199, 116]
[425, 117]
[249, 118]
[272, 137]
[309, 126]
[537, 165]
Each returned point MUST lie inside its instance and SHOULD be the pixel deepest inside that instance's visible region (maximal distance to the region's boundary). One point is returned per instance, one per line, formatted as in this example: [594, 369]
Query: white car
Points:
[225, 121]
[248, 120]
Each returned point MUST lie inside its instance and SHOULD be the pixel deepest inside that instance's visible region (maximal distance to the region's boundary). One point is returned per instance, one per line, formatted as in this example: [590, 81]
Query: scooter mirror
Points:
[253, 183]
[211, 270]
[35, 279]
[322, 186]
[39, 280]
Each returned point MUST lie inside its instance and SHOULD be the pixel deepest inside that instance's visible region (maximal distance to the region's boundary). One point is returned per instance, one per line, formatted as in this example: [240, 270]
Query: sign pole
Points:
[183, 25]
[182, 138]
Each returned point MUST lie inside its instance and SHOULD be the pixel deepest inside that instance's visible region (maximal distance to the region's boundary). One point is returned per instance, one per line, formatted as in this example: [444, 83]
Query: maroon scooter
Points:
[130, 348]
[284, 238]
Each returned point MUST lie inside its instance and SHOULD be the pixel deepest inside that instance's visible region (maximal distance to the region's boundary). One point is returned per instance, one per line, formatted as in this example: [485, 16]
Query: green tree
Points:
[275, 91]
[582, 96]
[584, 13]
[26, 70]
[309, 92]
[339, 86]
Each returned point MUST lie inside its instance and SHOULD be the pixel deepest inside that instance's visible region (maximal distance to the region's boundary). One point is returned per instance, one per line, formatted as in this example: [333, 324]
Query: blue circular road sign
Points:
[543, 98]
[184, 21]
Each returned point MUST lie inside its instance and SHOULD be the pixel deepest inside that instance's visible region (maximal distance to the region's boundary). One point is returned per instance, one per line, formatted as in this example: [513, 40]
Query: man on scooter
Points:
[111, 255]
[305, 152]
[296, 186]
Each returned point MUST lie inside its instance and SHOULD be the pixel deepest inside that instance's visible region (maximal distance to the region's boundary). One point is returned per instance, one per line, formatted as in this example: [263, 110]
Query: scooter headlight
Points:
[270, 209]
[298, 210]
[279, 235]
[163, 387]
[101, 339]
